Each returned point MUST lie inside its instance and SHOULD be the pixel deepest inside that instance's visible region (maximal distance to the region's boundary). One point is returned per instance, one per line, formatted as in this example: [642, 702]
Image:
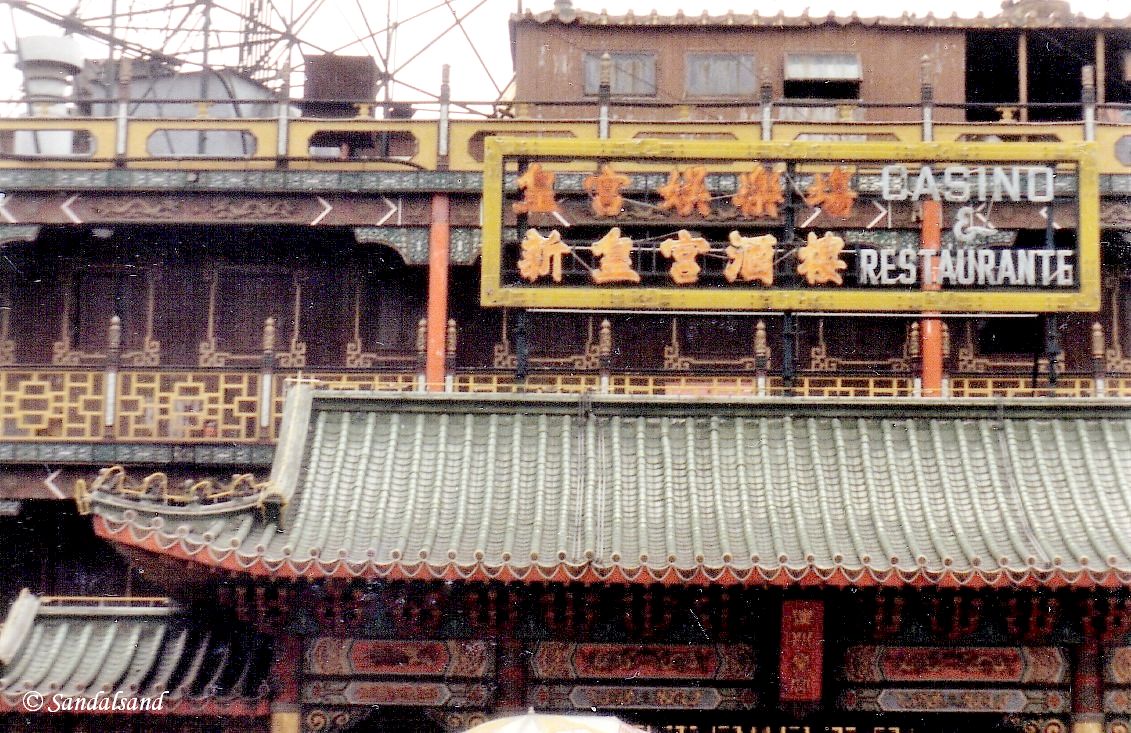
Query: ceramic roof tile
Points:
[735, 490]
[83, 647]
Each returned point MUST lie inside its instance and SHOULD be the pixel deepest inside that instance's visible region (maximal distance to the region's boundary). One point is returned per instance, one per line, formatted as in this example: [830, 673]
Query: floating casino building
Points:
[742, 373]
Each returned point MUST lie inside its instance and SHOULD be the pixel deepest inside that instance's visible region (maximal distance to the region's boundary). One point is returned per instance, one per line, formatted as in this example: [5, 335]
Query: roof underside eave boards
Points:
[772, 576]
[729, 492]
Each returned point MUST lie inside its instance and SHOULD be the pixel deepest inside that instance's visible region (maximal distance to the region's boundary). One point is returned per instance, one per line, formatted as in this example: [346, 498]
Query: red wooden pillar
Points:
[930, 329]
[286, 673]
[439, 239]
[1087, 687]
[802, 654]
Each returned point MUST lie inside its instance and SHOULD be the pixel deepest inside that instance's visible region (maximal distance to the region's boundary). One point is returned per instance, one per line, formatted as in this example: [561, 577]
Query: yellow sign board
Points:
[789, 226]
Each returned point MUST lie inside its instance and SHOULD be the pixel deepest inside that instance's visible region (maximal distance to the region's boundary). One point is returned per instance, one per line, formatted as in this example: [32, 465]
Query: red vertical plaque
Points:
[802, 650]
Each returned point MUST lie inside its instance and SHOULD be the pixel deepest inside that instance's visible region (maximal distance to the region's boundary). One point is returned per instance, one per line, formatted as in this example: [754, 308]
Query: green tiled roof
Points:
[83, 648]
[677, 490]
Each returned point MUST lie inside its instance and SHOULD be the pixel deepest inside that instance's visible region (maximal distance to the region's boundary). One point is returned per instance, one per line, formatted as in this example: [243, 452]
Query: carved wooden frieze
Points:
[919, 700]
[1034, 665]
[400, 693]
[331, 720]
[450, 659]
[623, 697]
[564, 661]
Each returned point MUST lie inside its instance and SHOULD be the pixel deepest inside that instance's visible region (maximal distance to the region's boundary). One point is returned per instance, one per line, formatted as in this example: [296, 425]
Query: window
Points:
[633, 74]
[1127, 66]
[1010, 336]
[719, 75]
[390, 307]
[99, 294]
[822, 76]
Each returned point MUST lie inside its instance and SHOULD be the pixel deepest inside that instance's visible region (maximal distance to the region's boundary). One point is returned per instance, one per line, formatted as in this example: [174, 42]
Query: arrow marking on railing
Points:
[53, 487]
[885, 211]
[326, 209]
[816, 213]
[66, 209]
[393, 208]
[1044, 212]
[565, 222]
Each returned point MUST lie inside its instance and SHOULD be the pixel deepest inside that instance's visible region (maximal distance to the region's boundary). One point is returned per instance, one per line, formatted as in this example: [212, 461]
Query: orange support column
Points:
[439, 237]
[930, 329]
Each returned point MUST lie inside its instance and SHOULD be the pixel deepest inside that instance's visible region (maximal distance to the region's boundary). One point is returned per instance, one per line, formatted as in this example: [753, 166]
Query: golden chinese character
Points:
[605, 189]
[751, 258]
[542, 256]
[686, 192]
[819, 260]
[537, 191]
[615, 252]
[759, 193]
[831, 192]
[684, 249]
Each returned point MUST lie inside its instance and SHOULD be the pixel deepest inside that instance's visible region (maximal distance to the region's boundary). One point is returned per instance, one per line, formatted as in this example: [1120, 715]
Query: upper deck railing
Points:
[449, 135]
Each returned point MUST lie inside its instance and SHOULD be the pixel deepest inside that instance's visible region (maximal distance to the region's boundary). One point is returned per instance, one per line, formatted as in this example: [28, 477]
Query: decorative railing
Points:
[245, 406]
[448, 135]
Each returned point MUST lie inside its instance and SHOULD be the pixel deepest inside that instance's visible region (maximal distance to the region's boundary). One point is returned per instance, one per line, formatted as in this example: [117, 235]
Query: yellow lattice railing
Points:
[374, 381]
[224, 405]
[51, 404]
[682, 385]
[1012, 386]
[185, 406]
[505, 383]
[833, 386]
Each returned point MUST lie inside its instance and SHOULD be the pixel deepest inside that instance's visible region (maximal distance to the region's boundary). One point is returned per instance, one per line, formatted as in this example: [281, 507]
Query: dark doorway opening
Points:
[1117, 66]
[991, 73]
[1056, 59]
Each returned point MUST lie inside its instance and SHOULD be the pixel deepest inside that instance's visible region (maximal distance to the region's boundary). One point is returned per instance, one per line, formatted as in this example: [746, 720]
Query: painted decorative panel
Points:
[956, 664]
[619, 697]
[457, 659]
[954, 701]
[407, 694]
[565, 661]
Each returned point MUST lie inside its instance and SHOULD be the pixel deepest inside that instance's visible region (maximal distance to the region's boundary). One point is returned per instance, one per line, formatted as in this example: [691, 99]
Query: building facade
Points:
[742, 372]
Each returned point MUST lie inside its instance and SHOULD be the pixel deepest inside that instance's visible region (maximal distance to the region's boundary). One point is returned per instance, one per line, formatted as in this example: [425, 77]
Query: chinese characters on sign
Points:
[788, 225]
[820, 260]
[760, 193]
[605, 189]
[749, 259]
[537, 191]
[542, 256]
[615, 252]
[686, 192]
[831, 192]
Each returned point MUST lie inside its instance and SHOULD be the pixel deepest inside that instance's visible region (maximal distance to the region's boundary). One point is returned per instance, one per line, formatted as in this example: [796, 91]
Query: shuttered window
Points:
[719, 75]
[632, 74]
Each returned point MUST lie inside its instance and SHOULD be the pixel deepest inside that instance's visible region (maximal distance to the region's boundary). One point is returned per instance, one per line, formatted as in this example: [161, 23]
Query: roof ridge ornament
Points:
[563, 9]
[1029, 10]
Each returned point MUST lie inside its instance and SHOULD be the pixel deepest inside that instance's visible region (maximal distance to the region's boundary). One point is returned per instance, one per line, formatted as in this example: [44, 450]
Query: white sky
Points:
[338, 24]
